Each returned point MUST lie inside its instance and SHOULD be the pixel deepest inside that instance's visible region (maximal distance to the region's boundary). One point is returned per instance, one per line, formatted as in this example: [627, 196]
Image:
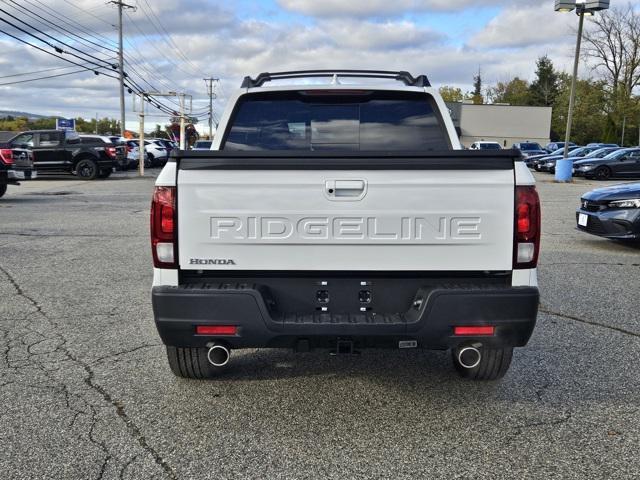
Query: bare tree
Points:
[613, 45]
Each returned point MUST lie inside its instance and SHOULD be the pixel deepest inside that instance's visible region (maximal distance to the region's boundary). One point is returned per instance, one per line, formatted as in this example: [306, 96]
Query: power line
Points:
[170, 39]
[58, 28]
[153, 44]
[34, 72]
[95, 70]
[84, 40]
[133, 87]
[87, 12]
[43, 78]
[86, 31]
[92, 59]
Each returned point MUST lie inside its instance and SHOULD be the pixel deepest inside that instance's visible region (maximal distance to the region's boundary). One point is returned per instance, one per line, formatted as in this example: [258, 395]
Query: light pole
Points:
[564, 167]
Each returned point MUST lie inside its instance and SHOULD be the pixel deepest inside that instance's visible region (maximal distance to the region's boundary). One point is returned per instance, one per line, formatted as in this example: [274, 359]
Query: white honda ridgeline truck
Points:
[343, 216]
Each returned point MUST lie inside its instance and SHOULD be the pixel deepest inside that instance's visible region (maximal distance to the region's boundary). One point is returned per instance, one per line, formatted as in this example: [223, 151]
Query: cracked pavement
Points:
[86, 391]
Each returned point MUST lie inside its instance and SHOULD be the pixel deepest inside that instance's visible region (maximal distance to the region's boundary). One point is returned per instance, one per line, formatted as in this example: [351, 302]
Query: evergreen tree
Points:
[477, 89]
[545, 88]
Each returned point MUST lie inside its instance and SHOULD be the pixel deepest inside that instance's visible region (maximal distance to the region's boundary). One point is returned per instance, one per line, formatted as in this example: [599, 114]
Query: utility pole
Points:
[209, 82]
[96, 129]
[120, 4]
[141, 148]
[182, 123]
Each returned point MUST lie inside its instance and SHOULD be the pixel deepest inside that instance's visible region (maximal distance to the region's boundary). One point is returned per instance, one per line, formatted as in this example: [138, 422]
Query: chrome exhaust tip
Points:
[469, 357]
[218, 355]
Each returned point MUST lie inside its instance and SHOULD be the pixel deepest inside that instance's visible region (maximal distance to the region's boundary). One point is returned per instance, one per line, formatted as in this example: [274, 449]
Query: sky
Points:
[171, 45]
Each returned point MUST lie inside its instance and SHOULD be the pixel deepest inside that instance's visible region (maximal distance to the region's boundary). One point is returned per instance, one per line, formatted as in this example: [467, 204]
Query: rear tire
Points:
[87, 169]
[602, 173]
[493, 365]
[191, 362]
[3, 189]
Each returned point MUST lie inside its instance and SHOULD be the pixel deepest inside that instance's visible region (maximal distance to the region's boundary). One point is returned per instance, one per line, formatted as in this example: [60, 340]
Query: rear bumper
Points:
[15, 175]
[429, 321]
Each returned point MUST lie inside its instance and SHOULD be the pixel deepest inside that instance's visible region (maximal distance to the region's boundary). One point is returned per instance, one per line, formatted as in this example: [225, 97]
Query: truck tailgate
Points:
[355, 215]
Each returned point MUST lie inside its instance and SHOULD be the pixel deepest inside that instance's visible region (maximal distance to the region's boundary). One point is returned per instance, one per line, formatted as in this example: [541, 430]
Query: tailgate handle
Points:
[345, 188]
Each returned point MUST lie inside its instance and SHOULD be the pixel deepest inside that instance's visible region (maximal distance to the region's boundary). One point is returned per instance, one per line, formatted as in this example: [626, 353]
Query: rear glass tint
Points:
[320, 120]
[529, 146]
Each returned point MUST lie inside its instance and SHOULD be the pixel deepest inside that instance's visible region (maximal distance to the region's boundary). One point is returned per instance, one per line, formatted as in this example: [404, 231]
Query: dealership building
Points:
[502, 123]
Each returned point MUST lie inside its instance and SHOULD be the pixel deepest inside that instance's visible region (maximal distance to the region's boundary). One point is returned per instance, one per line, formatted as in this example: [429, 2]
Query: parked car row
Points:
[87, 156]
[599, 161]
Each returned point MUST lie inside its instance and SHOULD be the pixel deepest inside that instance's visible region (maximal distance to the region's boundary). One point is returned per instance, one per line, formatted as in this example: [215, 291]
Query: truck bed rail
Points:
[310, 160]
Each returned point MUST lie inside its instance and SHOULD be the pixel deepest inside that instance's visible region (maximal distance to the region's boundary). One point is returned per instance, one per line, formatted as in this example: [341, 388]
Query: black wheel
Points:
[602, 173]
[151, 161]
[189, 362]
[3, 189]
[87, 169]
[493, 364]
[106, 173]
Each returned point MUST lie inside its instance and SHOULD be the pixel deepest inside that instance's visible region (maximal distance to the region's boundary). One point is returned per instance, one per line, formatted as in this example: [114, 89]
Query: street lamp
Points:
[564, 167]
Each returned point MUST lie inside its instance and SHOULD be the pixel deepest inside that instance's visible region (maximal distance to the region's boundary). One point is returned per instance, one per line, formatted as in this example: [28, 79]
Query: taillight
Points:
[216, 330]
[474, 331]
[6, 156]
[526, 242]
[164, 228]
[111, 151]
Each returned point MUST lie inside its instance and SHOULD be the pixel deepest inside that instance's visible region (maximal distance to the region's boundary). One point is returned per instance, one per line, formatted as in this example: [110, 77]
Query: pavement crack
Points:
[588, 322]
[125, 352]
[126, 466]
[546, 423]
[19, 290]
[89, 379]
[134, 430]
[542, 390]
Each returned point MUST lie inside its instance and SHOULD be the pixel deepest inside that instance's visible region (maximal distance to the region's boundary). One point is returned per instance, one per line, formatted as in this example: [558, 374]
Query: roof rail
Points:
[405, 77]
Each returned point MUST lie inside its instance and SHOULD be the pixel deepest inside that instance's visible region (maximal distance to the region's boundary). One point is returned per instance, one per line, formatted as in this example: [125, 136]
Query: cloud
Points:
[525, 26]
[216, 41]
[378, 8]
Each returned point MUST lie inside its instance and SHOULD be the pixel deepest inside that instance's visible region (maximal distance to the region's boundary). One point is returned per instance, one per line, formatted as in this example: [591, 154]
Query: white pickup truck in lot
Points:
[341, 213]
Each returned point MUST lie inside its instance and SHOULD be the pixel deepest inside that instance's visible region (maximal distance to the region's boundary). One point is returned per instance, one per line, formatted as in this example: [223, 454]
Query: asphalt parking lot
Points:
[86, 391]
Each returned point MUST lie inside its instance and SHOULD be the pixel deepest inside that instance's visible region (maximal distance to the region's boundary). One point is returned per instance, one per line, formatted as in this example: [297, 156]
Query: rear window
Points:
[90, 140]
[529, 146]
[324, 120]
[49, 139]
[490, 146]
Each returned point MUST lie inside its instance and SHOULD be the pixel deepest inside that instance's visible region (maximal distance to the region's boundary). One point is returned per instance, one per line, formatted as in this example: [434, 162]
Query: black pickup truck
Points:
[15, 165]
[56, 151]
